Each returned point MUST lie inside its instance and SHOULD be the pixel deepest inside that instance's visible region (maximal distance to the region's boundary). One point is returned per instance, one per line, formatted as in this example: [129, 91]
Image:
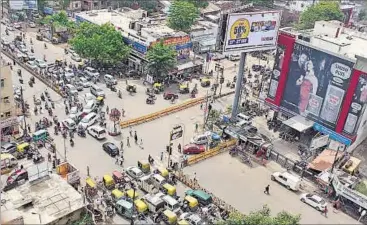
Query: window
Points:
[2, 83]
[8, 114]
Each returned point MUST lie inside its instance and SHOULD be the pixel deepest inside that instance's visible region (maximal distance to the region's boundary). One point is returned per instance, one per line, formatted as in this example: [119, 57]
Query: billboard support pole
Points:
[239, 80]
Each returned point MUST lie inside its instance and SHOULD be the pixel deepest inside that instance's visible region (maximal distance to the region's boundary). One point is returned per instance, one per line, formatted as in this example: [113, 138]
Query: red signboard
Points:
[173, 41]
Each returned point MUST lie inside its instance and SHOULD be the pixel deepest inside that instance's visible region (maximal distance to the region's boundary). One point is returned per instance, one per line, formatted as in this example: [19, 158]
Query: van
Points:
[88, 120]
[7, 161]
[97, 91]
[288, 180]
[71, 89]
[110, 79]
[92, 73]
[243, 120]
[171, 203]
[97, 132]
[158, 180]
[155, 203]
[90, 107]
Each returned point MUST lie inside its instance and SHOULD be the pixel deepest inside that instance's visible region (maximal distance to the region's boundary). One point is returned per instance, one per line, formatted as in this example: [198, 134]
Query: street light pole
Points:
[23, 111]
[132, 216]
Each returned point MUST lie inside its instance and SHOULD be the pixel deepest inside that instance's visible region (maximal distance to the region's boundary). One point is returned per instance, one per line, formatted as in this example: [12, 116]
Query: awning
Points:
[185, 66]
[299, 123]
[325, 160]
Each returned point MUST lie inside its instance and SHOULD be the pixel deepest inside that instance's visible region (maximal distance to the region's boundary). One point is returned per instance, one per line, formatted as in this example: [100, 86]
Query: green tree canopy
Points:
[161, 59]
[182, 15]
[100, 43]
[328, 10]
[362, 15]
[262, 217]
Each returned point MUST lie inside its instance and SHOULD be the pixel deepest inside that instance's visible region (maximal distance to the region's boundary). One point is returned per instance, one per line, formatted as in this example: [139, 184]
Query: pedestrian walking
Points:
[107, 109]
[179, 148]
[131, 131]
[123, 112]
[196, 127]
[201, 106]
[117, 160]
[121, 160]
[29, 128]
[266, 191]
[161, 156]
[128, 142]
[141, 144]
[121, 145]
[325, 211]
[136, 138]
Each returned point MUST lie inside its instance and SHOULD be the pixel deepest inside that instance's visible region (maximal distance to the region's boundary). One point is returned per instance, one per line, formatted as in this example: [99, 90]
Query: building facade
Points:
[322, 76]
[8, 117]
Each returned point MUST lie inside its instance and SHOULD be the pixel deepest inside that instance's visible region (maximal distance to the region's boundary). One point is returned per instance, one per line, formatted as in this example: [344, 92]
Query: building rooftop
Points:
[48, 199]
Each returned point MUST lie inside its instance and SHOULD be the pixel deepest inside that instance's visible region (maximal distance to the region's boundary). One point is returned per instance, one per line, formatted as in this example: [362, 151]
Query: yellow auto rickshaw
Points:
[130, 193]
[183, 222]
[162, 171]
[116, 195]
[90, 187]
[23, 147]
[169, 217]
[168, 189]
[191, 203]
[108, 182]
[205, 82]
[100, 101]
[144, 166]
[184, 89]
[141, 206]
[158, 87]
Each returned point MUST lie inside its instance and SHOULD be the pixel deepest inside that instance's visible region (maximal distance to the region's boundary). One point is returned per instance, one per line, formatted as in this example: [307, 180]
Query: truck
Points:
[69, 172]
[145, 183]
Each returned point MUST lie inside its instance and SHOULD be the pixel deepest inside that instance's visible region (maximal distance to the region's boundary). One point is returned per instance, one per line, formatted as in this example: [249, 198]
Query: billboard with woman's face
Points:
[316, 84]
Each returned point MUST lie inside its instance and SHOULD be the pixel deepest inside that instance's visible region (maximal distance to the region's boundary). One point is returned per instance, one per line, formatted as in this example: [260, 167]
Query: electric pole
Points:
[23, 112]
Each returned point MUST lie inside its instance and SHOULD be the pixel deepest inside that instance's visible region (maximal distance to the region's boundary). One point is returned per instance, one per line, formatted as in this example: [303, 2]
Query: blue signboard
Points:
[80, 19]
[136, 45]
[48, 10]
[183, 50]
[332, 135]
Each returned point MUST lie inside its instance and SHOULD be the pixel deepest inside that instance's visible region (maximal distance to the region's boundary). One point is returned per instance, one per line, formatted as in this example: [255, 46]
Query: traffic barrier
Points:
[34, 73]
[167, 111]
[223, 146]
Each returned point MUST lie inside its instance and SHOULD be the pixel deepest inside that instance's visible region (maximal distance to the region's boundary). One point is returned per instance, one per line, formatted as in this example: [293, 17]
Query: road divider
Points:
[222, 147]
[44, 80]
[167, 111]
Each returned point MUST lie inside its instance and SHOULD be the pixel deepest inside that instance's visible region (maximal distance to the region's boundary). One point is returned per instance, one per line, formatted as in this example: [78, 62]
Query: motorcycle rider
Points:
[71, 142]
[45, 45]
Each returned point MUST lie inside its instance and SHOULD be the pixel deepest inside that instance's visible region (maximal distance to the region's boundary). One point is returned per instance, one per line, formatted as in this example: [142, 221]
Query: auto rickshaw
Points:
[108, 182]
[141, 206]
[131, 88]
[144, 166]
[183, 222]
[124, 209]
[168, 189]
[169, 217]
[39, 37]
[117, 195]
[117, 177]
[205, 82]
[190, 203]
[130, 194]
[100, 101]
[23, 147]
[157, 88]
[162, 171]
[90, 187]
[40, 135]
[184, 89]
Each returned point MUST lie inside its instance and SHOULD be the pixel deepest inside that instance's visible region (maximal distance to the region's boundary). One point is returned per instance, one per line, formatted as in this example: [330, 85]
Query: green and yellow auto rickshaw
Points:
[168, 189]
[190, 203]
[141, 206]
[117, 195]
[169, 217]
[144, 166]
[108, 182]
[184, 89]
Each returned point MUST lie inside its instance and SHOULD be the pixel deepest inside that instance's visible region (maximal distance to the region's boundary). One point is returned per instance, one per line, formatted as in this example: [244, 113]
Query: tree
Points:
[161, 59]
[362, 15]
[102, 44]
[320, 11]
[262, 217]
[182, 15]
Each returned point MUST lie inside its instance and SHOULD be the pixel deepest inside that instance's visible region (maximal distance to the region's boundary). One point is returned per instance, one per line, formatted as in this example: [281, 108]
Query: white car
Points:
[97, 132]
[75, 57]
[41, 64]
[32, 65]
[69, 124]
[74, 110]
[10, 28]
[17, 26]
[88, 97]
[32, 25]
[85, 83]
[23, 49]
[134, 172]
[201, 139]
[313, 200]
[90, 107]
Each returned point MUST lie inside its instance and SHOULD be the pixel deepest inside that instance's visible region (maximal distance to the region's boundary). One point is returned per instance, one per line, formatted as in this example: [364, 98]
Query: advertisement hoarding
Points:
[356, 108]
[278, 63]
[247, 32]
[23, 4]
[316, 85]
[136, 45]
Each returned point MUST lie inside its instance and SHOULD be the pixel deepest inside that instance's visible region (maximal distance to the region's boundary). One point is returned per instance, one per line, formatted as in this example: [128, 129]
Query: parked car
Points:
[9, 148]
[69, 124]
[91, 72]
[313, 200]
[110, 148]
[218, 57]
[41, 64]
[91, 106]
[31, 56]
[85, 83]
[23, 48]
[234, 57]
[193, 149]
[79, 85]
[88, 97]
[134, 172]
[32, 65]
[32, 25]
[10, 28]
[76, 57]
[17, 26]
[201, 139]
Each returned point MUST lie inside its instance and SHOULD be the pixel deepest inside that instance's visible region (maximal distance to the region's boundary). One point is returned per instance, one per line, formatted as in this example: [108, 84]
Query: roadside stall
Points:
[324, 160]
[352, 165]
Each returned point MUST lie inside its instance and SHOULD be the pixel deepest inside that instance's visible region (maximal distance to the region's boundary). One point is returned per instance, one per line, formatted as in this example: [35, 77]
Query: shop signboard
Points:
[173, 41]
[254, 31]
[48, 10]
[278, 63]
[332, 135]
[183, 51]
[8, 122]
[316, 84]
[356, 109]
[319, 142]
[136, 45]
[23, 4]
[348, 193]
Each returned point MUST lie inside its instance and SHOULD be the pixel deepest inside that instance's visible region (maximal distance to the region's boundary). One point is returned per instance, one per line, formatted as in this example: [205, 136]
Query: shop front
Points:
[9, 127]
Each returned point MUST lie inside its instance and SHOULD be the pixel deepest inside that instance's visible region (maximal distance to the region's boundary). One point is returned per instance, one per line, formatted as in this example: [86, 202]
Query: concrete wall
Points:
[326, 45]
[7, 105]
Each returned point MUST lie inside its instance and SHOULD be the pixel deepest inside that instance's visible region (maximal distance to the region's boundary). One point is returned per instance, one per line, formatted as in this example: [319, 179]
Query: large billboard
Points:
[278, 63]
[316, 84]
[23, 4]
[356, 108]
[251, 31]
